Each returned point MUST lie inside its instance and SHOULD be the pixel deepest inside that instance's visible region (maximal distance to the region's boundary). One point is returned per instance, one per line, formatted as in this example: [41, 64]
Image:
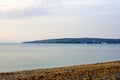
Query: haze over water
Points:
[14, 57]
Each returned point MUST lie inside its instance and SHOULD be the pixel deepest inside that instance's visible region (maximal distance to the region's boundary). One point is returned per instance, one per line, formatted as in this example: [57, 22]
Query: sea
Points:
[21, 56]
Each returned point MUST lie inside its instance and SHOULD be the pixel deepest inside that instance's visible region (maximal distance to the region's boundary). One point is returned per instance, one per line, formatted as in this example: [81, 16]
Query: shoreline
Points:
[97, 71]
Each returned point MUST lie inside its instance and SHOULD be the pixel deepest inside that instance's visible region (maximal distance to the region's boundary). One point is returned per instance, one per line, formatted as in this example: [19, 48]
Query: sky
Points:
[26, 20]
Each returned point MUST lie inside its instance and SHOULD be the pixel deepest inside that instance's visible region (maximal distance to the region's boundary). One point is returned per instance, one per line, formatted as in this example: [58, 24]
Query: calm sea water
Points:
[15, 57]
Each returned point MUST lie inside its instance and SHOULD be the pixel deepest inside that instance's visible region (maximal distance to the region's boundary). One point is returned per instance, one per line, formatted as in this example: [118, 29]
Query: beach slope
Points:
[98, 71]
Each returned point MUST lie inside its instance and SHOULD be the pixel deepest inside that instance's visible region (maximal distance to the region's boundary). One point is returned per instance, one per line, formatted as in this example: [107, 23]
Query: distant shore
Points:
[77, 41]
[98, 71]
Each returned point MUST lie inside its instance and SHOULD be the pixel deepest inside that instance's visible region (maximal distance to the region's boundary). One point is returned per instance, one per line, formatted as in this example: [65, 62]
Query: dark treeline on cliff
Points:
[78, 41]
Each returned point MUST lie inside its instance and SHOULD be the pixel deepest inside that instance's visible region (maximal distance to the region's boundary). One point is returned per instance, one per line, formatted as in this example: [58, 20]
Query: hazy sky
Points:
[23, 20]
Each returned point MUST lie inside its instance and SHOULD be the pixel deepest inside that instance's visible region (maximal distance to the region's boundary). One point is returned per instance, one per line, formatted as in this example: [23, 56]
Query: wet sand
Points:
[98, 71]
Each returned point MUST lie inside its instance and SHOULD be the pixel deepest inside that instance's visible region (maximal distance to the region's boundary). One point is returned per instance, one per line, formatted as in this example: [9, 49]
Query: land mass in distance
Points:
[78, 41]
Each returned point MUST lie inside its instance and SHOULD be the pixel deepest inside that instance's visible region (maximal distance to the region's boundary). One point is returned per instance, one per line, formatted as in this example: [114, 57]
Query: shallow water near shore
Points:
[16, 57]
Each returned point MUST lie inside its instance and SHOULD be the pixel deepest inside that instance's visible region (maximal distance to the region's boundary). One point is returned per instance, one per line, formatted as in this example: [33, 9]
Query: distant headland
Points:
[78, 41]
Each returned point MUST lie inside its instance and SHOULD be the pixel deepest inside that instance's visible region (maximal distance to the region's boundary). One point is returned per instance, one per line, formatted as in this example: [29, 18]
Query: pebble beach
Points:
[97, 71]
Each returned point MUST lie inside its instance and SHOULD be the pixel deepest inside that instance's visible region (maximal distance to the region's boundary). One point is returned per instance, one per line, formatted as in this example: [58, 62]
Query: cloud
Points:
[87, 2]
[22, 8]
[29, 8]
[89, 8]
[8, 6]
